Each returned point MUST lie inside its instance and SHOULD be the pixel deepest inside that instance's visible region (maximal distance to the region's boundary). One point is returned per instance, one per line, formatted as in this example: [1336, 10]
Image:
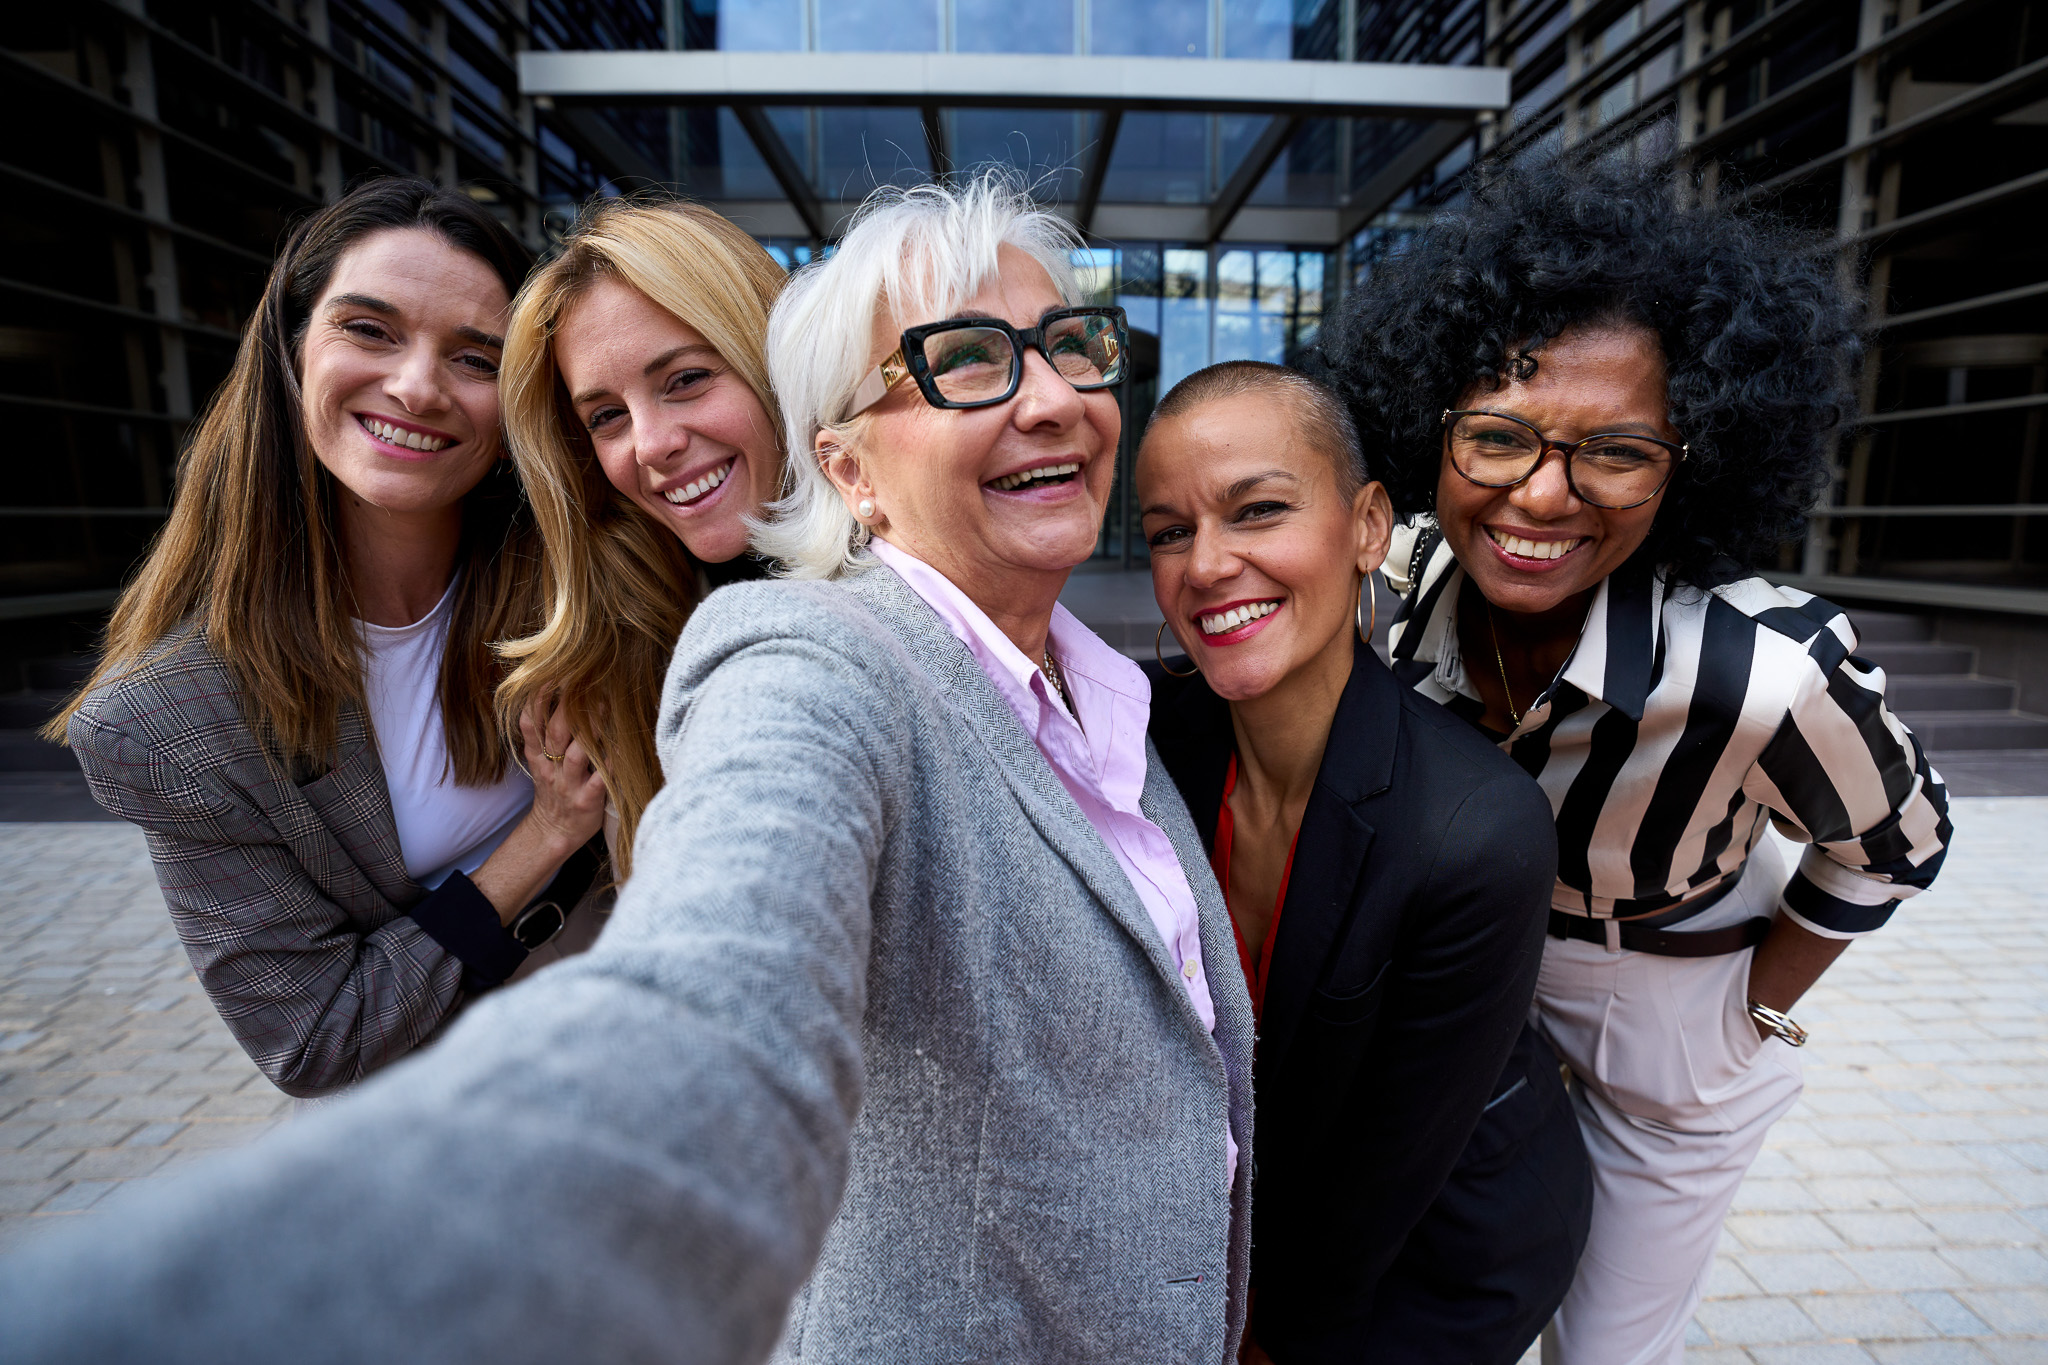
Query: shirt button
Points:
[1189, 971]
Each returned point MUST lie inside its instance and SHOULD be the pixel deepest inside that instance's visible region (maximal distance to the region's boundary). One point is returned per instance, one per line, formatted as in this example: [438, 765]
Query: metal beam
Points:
[1098, 168]
[934, 140]
[1007, 81]
[1250, 171]
[1396, 175]
[796, 186]
[598, 140]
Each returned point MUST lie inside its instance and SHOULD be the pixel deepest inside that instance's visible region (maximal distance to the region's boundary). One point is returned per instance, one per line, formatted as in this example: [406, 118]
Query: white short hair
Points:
[911, 256]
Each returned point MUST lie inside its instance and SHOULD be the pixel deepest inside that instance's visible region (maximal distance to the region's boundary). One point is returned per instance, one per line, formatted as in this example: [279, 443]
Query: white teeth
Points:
[1534, 549]
[1218, 622]
[697, 488]
[399, 436]
[1049, 472]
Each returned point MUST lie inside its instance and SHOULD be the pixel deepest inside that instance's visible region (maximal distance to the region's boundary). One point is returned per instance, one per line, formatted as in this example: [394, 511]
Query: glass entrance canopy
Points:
[1202, 151]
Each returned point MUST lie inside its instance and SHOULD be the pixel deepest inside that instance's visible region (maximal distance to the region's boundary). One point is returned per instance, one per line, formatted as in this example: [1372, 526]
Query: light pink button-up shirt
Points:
[1100, 761]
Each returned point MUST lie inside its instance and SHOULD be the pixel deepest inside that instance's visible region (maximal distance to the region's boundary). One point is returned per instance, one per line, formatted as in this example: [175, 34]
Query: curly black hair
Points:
[1759, 339]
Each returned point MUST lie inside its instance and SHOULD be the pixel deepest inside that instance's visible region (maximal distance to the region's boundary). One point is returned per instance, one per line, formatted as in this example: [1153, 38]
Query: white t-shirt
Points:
[442, 828]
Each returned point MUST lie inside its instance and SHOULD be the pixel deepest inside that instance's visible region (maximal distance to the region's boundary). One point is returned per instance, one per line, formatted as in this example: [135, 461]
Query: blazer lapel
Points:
[1039, 790]
[1323, 888]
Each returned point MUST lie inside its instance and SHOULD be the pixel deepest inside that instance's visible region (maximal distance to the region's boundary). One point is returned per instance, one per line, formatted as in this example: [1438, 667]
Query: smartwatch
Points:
[537, 923]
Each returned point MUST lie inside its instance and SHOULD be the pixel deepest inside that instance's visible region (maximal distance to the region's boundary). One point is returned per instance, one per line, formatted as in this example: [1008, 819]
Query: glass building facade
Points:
[157, 149]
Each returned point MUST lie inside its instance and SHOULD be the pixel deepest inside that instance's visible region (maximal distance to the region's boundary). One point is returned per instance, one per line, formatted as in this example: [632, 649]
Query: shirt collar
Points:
[1085, 660]
[1613, 662]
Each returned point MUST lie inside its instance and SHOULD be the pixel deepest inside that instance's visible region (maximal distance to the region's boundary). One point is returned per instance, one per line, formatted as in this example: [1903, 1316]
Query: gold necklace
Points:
[1502, 665]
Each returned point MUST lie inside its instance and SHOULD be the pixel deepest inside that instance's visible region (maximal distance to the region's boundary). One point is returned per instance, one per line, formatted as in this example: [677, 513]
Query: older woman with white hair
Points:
[918, 1033]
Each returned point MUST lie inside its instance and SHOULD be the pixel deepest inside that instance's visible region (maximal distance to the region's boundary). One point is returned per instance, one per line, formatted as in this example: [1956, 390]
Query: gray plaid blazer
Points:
[289, 896]
[880, 1058]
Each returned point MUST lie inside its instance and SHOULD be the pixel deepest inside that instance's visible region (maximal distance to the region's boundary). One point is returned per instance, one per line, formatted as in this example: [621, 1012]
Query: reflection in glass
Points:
[1149, 28]
[1183, 315]
[1013, 26]
[748, 25]
[878, 25]
[1261, 29]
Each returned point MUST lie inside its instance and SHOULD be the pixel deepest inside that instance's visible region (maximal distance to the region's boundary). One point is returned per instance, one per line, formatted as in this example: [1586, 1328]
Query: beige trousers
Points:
[1674, 1092]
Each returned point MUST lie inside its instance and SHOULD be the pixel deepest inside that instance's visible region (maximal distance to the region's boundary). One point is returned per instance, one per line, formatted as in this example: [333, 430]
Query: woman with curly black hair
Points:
[1616, 406]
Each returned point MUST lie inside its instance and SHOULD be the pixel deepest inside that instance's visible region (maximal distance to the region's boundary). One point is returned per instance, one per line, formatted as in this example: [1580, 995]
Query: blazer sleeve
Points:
[316, 1003]
[632, 1155]
[1458, 989]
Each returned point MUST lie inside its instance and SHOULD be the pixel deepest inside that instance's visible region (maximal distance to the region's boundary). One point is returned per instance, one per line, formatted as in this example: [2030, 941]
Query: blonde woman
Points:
[639, 414]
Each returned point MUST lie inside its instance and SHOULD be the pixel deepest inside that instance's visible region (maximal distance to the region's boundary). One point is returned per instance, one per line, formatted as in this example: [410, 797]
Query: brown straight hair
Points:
[250, 556]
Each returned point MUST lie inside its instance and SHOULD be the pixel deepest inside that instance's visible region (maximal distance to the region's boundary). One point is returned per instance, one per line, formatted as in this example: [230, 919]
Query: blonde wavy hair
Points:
[616, 585]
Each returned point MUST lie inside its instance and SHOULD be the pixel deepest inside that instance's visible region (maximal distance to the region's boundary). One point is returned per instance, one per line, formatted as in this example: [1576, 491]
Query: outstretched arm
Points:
[632, 1156]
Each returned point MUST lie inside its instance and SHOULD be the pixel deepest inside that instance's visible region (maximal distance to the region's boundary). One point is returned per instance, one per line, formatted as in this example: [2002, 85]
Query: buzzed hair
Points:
[1321, 418]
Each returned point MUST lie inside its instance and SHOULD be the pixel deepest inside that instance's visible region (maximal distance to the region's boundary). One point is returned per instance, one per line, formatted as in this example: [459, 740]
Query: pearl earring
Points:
[865, 508]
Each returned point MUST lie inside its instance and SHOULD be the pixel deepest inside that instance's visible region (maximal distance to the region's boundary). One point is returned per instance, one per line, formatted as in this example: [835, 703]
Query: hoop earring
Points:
[1157, 637]
[1365, 632]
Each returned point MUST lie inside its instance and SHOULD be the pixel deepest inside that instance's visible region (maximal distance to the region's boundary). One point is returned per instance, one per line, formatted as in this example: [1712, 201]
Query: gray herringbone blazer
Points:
[289, 896]
[880, 1055]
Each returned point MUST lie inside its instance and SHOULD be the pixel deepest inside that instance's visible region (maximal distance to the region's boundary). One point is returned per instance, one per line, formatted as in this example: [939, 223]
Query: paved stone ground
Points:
[1899, 1215]
[112, 1064]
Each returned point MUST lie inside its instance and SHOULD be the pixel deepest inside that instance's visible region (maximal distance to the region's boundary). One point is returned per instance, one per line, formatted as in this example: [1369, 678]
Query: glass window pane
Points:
[1258, 29]
[752, 25]
[1305, 175]
[878, 26]
[859, 149]
[1047, 146]
[1149, 28]
[1184, 316]
[1234, 277]
[1159, 159]
[1013, 25]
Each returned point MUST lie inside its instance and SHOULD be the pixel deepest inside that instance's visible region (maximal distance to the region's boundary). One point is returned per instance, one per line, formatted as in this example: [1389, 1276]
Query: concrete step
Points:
[1948, 692]
[1920, 659]
[1892, 627]
[1939, 730]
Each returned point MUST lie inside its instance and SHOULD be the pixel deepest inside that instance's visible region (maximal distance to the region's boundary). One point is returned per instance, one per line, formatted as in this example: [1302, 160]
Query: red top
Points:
[1219, 860]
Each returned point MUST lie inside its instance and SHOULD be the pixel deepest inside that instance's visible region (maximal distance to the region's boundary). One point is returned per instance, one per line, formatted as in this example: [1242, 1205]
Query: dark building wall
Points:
[154, 154]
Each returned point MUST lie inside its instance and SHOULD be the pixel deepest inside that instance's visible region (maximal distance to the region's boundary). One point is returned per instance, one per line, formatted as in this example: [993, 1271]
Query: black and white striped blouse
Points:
[1683, 720]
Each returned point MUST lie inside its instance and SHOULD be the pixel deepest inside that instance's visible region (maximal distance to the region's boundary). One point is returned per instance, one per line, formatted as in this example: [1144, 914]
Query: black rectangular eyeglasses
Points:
[979, 362]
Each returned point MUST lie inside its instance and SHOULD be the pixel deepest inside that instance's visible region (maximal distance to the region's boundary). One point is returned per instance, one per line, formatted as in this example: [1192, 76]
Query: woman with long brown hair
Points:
[639, 415]
[296, 698]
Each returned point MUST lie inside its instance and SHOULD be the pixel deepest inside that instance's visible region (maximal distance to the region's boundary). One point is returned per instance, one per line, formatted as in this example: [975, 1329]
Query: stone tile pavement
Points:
[113, 1065]
[1899, 1216]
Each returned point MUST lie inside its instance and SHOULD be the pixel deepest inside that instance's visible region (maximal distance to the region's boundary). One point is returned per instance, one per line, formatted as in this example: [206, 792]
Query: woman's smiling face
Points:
[674, 426]
[1538, 546]
[399, 371]
[1257, 552]
[983, 494]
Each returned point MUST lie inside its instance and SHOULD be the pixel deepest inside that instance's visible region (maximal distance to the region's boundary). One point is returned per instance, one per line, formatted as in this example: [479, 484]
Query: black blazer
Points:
[1402, 971]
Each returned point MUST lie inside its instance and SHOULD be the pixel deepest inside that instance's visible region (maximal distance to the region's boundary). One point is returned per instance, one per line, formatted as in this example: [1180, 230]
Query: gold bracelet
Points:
[1778, 1023]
